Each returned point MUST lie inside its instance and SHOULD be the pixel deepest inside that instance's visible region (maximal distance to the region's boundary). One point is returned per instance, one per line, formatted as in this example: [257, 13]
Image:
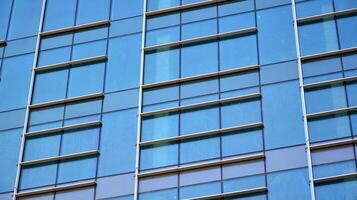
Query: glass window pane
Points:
[123, 8]
[170, 194]
[202, 149]
[162, 94]
[235, 143]
[239, 81]
[245, 183]
[346, 27]
[59, 14]
[92, 11]
[199, 120]
[87, 79]
[43, 174]
[121, 100]
[90, 35]
[83, 108]
[79, 141]
[334, 169]
[158, 156]
[74, 170]
[279, 72]
[241, 113]
[42, 147]
[283, 126]
[236, 22]
[344, 189]
[199, 59]
[5, 11]
[126, 26]
[198, 29]
[323, 66]
[50, 86]
[199, 88]
[238, 52]
[276, 46]
[161, 126]
[234, 7]
[345, 4]
[314, 7]
[162, 21]
[200, 190]
[162, 66]
[199, 14]
[56, 41]
[161, 4]
[46, 115]
[80, 51]
[164, 35]
[20, 46]
[318, 37]
[54, 56]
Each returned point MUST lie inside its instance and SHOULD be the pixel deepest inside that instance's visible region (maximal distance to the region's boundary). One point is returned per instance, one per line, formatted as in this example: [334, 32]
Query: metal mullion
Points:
[140, 100]
[29, 99]
[303, 103]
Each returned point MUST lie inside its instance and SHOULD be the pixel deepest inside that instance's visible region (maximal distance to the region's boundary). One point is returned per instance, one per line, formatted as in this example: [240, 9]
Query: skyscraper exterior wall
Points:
[178, 99]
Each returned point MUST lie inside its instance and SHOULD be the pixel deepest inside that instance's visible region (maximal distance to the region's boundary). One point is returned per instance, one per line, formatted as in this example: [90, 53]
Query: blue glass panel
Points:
[161, 66]
[56, 41]
[279, 72]
[246, 183]
[323, 66]
[121, 100]
[42, 147]
[170, 194]
[276, 46]
[9, 142]
[25, 23]
[21, 46]
[199, 120]
[43, 174]
[164, 35]
[239, 81]
[83, 108]
[318, 37]
[123, 8]
[266, 4]
[15, 81]
[162, 21]
[349, 61]
[293, 184]
[334, 169]
[199, 88]
[80, 51]
[54, 56]
[92, 11]
[161, 4]
[157, 127]
[79, 141]
[329, 128]
[199, 29]
[325, 99]
[123, 64]
[185, 2]
[202, 149]
[12, 119]
[199, 59]
[158, 156]
[46, 115]
[80, 120]
[346, 27]
[315, 7]
[326, 77]
[59, 14]
[126, 26]
[345, 4]
[161, 106]
[118, 139]
[230, 8]
[199, 99]
[161, 94]
[87, 79]
[90, 35]
[248, 197]
[5, 11]
[283, 126]
[236, 143]
[200, 190]
[344, 189]
[352, 94]
[236, 22]
[241, 113]
[199, 14]
[74, 170]
[238, 52]
[50, 86]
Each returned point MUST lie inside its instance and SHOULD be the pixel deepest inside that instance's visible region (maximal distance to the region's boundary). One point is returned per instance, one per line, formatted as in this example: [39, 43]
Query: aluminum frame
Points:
[2, 43]
[335, 178]
[331, 144]
[331, 112]
[230, 194]
[328, 54]
[330, 82]
[336, 14]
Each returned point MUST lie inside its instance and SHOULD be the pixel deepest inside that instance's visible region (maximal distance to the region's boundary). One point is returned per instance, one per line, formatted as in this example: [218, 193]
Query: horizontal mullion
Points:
[76, 28]
[331, 112]
[68, 100]
[64, 128]
[200, 77]
[71, 63]
[327, 54]
[334, 178]
[183, 7]
[250, 30]
[2, 43]
[230, 194]
[330, 82]
[256, 156]
[331, 144]
[57, 188]
[326, 15]
[203, 104]
[59, 158]
[202, 134]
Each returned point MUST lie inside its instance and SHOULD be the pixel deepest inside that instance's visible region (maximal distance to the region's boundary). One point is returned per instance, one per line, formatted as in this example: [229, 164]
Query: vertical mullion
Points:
[303, 103]
[29, 99]
[142, 59]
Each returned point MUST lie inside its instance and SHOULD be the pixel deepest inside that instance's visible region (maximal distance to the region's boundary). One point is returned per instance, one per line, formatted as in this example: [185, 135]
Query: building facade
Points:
[178, 99]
